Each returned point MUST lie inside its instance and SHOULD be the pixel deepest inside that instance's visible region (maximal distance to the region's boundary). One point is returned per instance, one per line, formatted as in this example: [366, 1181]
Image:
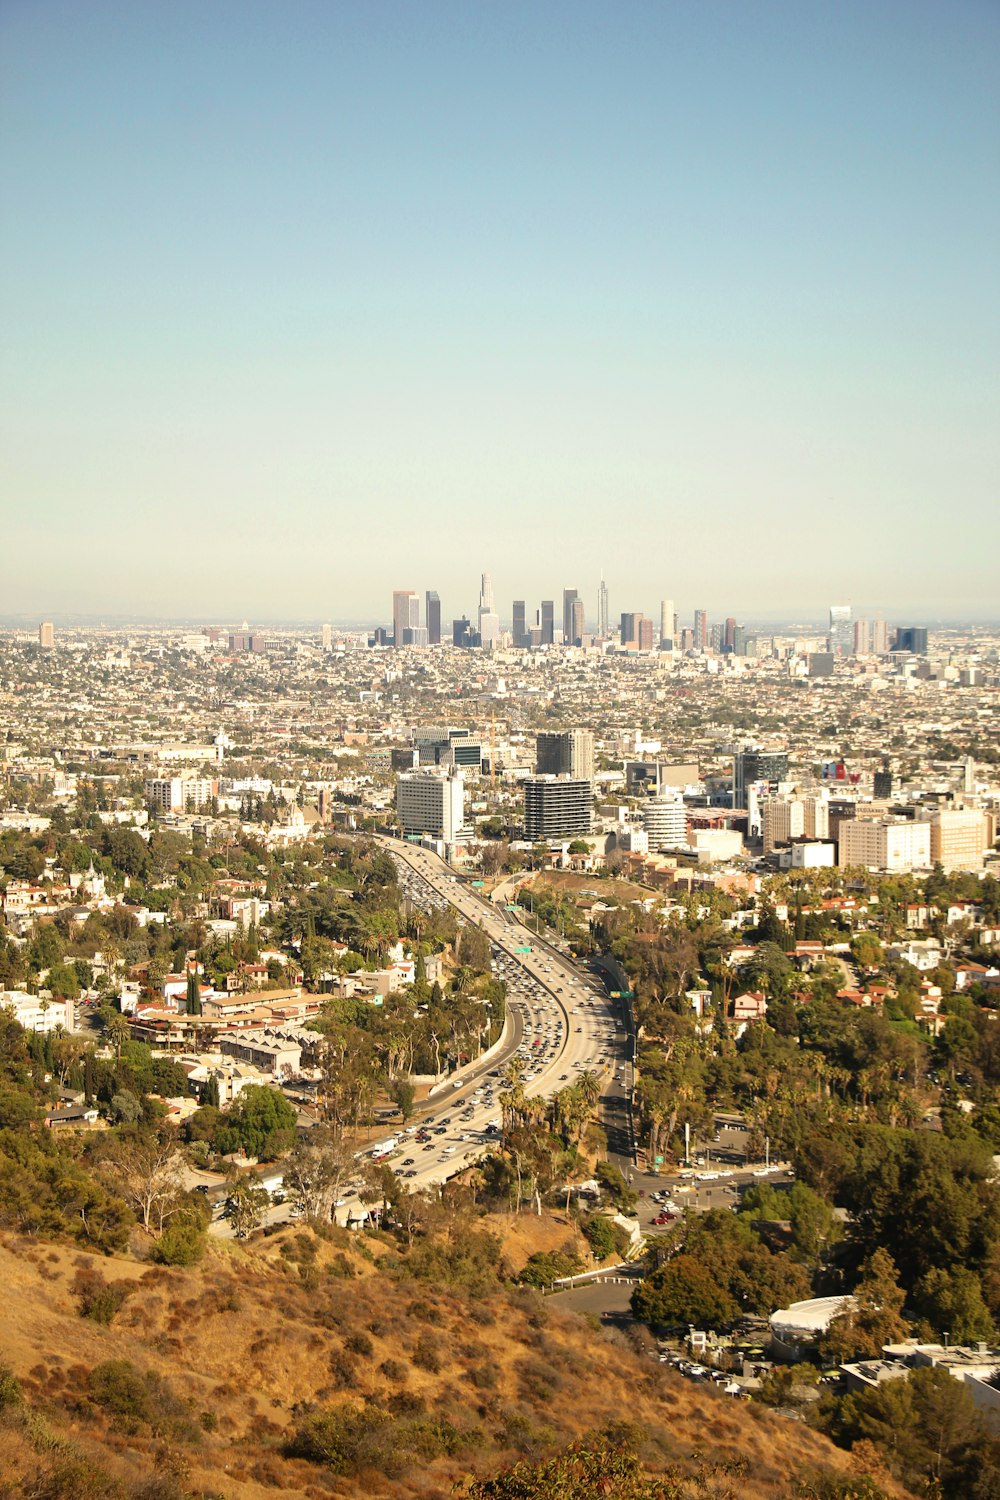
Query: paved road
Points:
[564, 1025]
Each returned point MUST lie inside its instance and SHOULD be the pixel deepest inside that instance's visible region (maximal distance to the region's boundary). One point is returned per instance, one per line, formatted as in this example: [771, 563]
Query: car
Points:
[410, 1173]
[408, 1161]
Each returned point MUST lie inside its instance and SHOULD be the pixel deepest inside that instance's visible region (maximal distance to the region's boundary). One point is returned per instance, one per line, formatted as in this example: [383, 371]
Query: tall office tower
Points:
[602, 609]
[880, 637]
[557, 807]
[729, 635]
[569, 598]
[548, 622]
[460, 631]
[326, 637]
[644, 633]
[519, 633]
[911, 638]
[432, 802]
[489, 620]
[883, 784]
[751, 764]
[715, 637]
[405, 614]
[740, 641]
[862, 637]
[840, 639]
[700, 629]
[432, 614]
[46, 635]
[627, 629]
[578, 625]
[666, 624]
[567, 752]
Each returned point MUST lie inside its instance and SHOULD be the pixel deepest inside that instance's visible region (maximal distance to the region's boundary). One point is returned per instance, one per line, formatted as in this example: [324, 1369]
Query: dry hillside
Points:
[305, 1368]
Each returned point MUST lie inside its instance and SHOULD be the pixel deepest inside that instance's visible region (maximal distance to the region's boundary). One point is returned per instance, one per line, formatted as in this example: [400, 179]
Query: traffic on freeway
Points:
[561, 1025]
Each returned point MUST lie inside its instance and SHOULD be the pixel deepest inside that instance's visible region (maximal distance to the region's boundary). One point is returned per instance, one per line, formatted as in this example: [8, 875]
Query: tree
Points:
[681, 1293]
[261, 1123]
[247, 1205]
[952, 1302]
[117, 1032]
[147, 1173]
[193, 993]
[314, 1171]
[872, 1319]
[403, 1095]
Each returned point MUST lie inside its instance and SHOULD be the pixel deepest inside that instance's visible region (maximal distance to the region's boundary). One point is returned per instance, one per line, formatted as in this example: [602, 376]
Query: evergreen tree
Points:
[193, 994]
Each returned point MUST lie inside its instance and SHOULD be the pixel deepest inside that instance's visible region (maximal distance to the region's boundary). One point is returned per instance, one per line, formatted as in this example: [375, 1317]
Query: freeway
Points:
[563, 1024]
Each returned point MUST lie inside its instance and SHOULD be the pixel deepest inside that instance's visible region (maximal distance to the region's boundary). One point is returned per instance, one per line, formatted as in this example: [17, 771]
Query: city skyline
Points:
[661, 290]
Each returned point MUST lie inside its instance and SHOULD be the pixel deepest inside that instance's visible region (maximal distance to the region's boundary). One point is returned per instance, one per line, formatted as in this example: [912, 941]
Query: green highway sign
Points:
[525, 949]
[477, 883]
[659, 1161]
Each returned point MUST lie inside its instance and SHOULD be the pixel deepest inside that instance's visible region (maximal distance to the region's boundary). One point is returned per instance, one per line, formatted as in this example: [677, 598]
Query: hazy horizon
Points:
[302, 304]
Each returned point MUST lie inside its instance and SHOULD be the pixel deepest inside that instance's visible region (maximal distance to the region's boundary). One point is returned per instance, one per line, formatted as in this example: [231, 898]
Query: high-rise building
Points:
[460, 630]
[666, 624]
[569, 598]
[432, 614]
[557, 807]
[578, 624]
[821, 663]
[644, 633]
[489, 620]
[567, 752]
[602, 609]
[326, 637]
[862, 637]
[627, 630]
[700, 630]
[752, 765]
[519, 633]
[883, 784]
[729, 635]
[895, 844]
[548, 622]
[840, 638]
[432, 802]
[880, 637]
[405, 614]
[46, 635]
[911, 638]
[958, 837]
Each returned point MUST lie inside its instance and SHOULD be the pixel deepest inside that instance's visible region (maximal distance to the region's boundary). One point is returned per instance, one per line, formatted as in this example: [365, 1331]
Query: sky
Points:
[301, 303]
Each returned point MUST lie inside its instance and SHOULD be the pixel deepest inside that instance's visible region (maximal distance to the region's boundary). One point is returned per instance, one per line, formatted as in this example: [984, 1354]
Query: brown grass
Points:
[252, 1337]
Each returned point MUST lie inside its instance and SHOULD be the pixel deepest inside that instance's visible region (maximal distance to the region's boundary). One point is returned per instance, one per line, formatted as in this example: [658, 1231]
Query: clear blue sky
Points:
[305, 301]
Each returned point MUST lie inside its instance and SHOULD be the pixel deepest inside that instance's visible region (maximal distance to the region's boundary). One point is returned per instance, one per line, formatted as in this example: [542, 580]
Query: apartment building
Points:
[958, 837]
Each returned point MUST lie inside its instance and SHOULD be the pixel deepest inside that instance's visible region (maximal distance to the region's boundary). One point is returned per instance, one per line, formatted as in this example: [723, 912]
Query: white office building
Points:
[432, 802]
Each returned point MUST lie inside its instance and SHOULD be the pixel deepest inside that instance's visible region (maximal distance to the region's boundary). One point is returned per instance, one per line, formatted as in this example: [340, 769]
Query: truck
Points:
[383, 1149]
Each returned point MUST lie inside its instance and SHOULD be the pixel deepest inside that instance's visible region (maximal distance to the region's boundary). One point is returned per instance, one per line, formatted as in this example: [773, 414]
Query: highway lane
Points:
[564, 1025]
